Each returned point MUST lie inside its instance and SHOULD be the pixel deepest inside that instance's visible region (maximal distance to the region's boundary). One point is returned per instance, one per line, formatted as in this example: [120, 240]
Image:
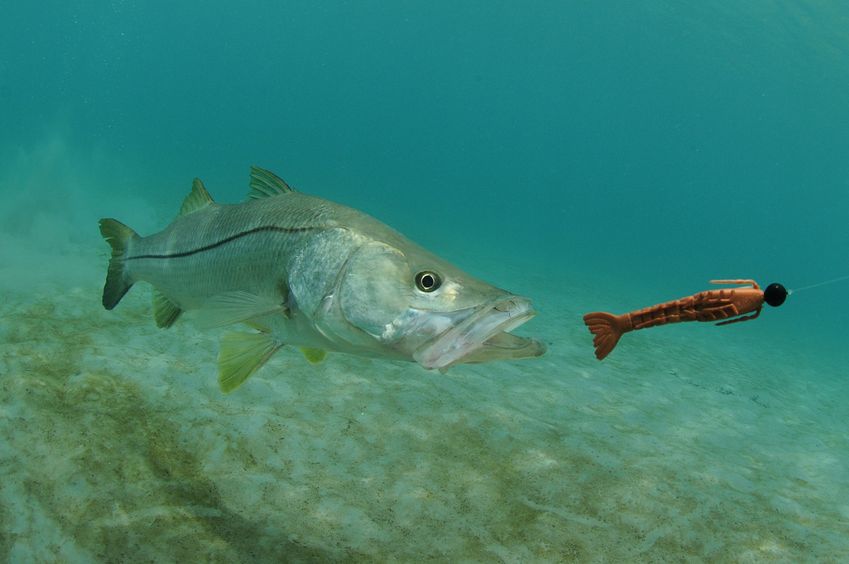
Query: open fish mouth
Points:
[483, 336]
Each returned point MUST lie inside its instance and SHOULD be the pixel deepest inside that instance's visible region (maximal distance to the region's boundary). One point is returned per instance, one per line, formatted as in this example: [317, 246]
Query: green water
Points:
[589, 155]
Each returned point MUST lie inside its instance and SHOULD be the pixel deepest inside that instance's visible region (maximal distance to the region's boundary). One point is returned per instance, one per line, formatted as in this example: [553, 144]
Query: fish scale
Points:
[227, 251]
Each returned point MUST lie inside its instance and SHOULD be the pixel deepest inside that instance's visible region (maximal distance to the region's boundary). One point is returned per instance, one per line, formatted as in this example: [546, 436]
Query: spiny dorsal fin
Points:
[197, 199]
[265, 184]
[165, 311]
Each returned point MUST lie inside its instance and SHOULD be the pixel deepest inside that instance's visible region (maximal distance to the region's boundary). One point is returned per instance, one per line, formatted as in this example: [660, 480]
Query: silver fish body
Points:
[308, 272]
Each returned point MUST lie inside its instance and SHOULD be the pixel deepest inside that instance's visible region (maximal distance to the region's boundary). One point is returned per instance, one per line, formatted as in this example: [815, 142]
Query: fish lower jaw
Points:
[483, 338]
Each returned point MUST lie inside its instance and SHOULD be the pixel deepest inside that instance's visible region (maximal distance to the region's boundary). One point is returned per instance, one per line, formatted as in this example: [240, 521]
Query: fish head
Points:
[411, 304]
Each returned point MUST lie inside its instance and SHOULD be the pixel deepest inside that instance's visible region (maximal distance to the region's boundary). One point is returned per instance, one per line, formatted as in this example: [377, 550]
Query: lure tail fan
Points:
[606, 332]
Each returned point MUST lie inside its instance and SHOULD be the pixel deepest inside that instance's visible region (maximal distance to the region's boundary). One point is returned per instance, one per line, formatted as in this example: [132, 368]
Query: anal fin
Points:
[164, 310]
[242, 354]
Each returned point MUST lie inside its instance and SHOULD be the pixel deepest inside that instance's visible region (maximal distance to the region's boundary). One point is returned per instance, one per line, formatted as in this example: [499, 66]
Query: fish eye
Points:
[428, 281]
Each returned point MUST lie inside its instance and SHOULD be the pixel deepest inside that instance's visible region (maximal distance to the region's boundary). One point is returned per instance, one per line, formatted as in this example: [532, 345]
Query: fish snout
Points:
[483, 336]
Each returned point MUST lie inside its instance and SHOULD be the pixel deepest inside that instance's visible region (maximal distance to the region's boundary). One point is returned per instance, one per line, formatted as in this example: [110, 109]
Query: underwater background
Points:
[602, 155]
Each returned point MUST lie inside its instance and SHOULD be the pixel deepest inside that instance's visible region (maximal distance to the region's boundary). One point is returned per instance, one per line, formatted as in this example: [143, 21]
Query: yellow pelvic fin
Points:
[164, 310]
[314, 356]
[242, 354]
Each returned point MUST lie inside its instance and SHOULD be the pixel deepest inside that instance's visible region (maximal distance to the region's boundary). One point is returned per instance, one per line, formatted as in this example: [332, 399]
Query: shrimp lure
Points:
[726, 305]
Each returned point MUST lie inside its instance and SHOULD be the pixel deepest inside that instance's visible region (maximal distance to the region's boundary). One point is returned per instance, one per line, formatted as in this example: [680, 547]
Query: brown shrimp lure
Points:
[726, 305]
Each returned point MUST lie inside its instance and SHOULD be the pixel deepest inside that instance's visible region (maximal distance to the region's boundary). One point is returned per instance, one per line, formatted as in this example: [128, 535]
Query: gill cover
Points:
[376, 287]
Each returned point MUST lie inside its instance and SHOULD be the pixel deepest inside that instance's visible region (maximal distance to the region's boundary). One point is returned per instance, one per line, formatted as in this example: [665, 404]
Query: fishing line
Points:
[832, 281]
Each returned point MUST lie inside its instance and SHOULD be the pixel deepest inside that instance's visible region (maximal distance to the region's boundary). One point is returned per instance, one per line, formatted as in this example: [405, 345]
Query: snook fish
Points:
[304, 271]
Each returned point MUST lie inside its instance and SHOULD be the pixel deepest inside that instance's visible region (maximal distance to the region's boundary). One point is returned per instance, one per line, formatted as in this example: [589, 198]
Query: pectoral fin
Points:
[238, 307]
[242, 354]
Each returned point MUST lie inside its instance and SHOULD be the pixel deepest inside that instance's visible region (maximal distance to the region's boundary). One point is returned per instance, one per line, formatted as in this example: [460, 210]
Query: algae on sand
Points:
[117, 445]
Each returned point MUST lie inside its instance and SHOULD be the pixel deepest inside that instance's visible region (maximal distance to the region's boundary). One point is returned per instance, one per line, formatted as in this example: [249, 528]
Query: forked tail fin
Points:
[118, 283]
[606, 330]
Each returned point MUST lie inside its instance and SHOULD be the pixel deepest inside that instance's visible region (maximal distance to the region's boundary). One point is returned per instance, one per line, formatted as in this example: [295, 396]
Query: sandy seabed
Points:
[118, 446]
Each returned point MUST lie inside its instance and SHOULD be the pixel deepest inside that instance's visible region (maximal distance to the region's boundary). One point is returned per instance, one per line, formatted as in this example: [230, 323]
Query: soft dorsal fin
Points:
[265, 184]
[197, 199]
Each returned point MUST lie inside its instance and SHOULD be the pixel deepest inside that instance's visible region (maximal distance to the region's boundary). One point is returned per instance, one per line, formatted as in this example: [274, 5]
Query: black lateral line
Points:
[225, 241]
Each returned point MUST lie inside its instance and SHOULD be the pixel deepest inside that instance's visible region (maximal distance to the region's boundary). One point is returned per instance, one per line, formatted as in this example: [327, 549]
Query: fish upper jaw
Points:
[482, 336]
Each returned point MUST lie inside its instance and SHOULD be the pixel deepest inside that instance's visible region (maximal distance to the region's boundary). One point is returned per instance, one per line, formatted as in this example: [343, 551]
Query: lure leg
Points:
[751, 283]
[747, 318]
